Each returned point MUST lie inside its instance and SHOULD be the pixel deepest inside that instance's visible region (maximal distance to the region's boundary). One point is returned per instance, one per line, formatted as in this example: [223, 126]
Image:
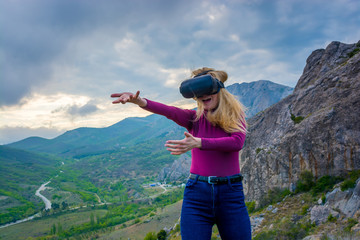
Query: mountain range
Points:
[80, 142]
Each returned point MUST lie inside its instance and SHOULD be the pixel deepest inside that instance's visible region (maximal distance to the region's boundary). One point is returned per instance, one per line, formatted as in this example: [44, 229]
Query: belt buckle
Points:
[209, 180]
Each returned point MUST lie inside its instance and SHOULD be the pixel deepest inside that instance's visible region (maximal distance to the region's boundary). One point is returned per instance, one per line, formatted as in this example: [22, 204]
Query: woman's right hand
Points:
[129, 97]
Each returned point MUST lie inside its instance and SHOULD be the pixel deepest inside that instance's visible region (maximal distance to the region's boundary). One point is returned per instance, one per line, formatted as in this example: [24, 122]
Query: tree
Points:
[64, 205]
[59, 228]
[55, 206]
[53, 229]
[150, 236]
[92, 219]
[161, 235]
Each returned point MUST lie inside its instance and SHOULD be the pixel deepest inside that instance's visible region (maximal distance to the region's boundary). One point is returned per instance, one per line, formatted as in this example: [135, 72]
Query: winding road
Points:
[45, 200]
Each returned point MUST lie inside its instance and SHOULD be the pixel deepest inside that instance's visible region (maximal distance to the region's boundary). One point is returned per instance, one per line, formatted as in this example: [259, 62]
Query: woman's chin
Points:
[207, 107]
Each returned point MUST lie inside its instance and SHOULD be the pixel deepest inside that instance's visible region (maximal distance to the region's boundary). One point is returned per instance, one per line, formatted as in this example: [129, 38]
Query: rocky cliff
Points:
[316, 128]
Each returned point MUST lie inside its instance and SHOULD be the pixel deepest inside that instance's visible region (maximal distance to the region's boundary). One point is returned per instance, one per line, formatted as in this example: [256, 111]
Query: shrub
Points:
[304, 209]
[351, 181]
[296, 119]
[348, 183]
[324, 184]
[306, 182]
[161, 235]
[286, 230]
[331, 218]
[353, 52]
[177, 228]
[350, 223]
[251, 206]
[266, 235]
[150, 236]
[323, 198]
[274, 195]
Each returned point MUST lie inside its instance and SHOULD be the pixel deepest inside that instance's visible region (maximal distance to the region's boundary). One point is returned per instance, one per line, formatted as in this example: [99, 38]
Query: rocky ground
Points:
[335, 215]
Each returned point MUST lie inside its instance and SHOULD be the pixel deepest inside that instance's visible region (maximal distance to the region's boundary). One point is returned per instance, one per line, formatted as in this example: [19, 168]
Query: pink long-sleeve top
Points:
[219, 152]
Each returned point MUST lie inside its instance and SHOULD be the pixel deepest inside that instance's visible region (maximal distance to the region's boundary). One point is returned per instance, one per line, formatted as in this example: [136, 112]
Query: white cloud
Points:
[100, 48]
[213, 13]
[175, 76]
[134, 57]
[39, 111]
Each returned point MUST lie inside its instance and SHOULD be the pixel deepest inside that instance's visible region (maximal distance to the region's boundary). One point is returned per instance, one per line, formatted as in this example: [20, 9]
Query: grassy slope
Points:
[18, 165]
[21, 173]
[41, 227]
[166, 217]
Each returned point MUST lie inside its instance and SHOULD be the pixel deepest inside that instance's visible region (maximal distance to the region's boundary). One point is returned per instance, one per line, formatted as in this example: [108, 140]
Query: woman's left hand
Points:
[177, 147]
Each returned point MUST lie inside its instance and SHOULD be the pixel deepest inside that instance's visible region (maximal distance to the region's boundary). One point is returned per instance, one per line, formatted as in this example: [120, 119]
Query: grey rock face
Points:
[316, 128]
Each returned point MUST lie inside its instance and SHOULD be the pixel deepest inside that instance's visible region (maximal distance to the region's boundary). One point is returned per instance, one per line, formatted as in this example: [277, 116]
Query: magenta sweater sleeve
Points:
[232, 143]
[182, 117]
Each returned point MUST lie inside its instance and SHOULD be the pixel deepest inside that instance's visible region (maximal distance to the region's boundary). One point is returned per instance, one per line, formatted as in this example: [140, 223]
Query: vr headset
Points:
[200, 85]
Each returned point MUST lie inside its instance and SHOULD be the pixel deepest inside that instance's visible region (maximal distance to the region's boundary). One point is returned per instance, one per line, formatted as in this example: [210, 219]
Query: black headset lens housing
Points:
[200, 86]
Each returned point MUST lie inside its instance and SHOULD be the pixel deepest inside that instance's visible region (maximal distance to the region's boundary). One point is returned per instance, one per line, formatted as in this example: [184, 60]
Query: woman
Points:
[216, 134]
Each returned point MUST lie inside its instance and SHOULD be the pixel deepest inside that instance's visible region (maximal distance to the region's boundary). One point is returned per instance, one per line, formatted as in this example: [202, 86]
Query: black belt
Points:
[216, 180]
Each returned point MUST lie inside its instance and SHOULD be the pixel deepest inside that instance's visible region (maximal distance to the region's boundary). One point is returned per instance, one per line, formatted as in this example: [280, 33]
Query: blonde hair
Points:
[230, 113]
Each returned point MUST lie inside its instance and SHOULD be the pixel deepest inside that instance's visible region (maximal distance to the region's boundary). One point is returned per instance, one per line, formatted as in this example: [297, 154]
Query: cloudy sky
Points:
[61, 59]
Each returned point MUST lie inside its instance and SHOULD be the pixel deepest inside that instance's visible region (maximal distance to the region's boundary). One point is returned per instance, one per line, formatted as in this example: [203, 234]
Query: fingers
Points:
[120, 97]
[187, 134]
[176, 147]
[125, 97]
[169, 142]
[137, 94]
[116, 95]
[177, 151]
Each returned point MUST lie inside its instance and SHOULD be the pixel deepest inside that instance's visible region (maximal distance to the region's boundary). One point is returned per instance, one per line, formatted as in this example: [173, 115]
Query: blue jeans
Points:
[207, 204]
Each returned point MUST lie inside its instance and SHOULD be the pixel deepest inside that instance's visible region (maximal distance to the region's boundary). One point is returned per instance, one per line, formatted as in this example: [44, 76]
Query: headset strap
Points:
[203, 73]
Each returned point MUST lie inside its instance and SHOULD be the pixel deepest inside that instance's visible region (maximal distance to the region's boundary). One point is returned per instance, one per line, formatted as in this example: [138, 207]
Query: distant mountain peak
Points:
[259, 95]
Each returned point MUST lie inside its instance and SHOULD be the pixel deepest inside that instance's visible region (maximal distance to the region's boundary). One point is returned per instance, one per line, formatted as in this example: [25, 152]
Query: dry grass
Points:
[166, 217]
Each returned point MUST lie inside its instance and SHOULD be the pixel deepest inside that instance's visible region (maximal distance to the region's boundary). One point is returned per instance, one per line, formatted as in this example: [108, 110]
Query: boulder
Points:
[320, 214]
[347, 202]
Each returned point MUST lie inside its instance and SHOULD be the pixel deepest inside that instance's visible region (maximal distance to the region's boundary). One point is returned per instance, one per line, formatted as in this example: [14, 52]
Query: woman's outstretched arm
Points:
[126, 97]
